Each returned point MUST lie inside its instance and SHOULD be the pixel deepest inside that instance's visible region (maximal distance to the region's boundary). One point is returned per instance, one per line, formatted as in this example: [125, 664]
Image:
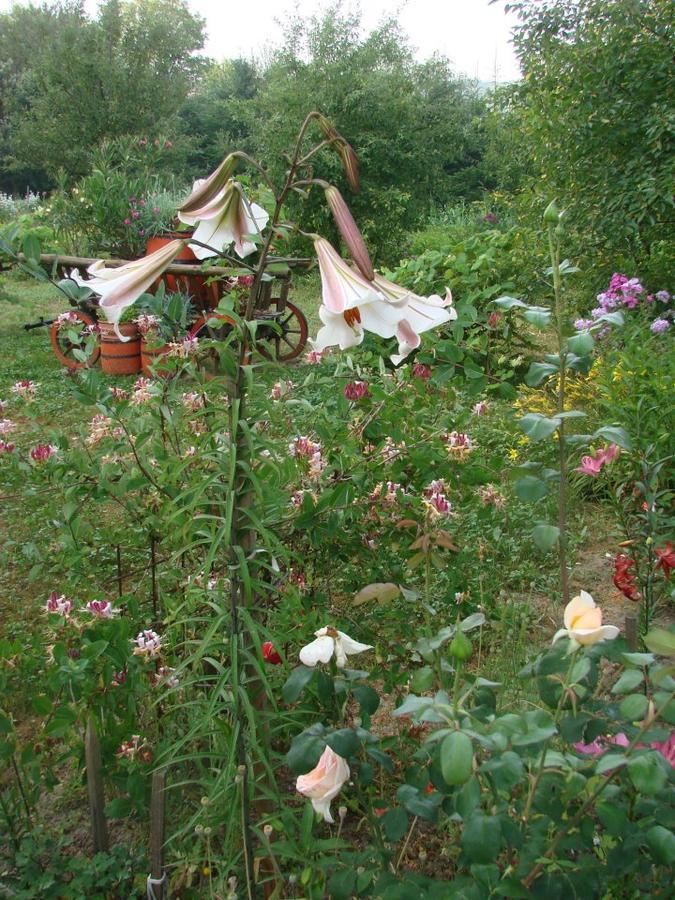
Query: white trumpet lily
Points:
[119, 288]
[352, 305]
[331, 642]
[225, 218]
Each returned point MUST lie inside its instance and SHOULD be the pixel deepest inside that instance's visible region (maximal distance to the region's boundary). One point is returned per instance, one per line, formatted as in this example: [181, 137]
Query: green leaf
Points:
[615, 436]
[538, 372]
[304, 753]
[538, 427]
[628, 681]
[510, 302]
[529, 488]
[456, 758]
[344, 741]
[423, 679]
[482, 838]
[634, 706]
[367, 697]
[660, 641]
[467, 798]
[296, 683]
[31, 249]
[506, 770]
[581, 344]
[118, 808]
[545, 536]
[395, 823]
[647, 772]
[539, 316]
[661, 843]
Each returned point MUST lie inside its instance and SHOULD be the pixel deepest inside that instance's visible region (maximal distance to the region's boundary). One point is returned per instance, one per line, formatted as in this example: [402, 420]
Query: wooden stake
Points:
[92, 755]
[157, 824]
[631, 633]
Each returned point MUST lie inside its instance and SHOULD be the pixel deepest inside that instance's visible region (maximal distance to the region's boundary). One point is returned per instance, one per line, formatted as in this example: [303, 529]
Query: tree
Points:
[597, 113]
[128, 71]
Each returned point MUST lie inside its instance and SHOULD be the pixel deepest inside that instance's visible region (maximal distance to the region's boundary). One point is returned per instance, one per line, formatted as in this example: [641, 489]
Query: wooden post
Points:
[92, 755]
[120, 585]
[631, 633]
[157, 834]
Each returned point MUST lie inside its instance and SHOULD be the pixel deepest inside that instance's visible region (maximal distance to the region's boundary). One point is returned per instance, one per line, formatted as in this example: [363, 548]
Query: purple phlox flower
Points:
[658, 326]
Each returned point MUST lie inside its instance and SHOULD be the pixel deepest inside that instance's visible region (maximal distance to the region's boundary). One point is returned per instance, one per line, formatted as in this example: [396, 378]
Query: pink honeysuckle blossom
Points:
[227, 219]
[437, 486]
[6, 425]
[314, 357]
[147, 323]
[490, 496]
[59, 604]
[353, 305]
[192, 400]
[356, 390]
[67, 318]
[480, 408]
[148, 644]
[280, 389]
[165, 675]
[6, 447]
[25, 389]
[136, 746]
[297, 497]
[143, 391]
[42, 452]
[119, 288]
[303, 446]
[438, 505]
[391, 450]
[102, 609]
[459, 444]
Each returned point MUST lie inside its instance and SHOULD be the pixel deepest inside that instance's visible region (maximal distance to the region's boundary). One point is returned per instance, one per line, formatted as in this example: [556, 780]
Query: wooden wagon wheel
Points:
[291, 339]
[216, 327]
[64, 347]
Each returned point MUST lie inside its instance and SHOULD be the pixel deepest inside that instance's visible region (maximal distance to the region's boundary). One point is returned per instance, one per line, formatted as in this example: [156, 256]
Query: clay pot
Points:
[120, 357]
[151, 351]
[205, 296]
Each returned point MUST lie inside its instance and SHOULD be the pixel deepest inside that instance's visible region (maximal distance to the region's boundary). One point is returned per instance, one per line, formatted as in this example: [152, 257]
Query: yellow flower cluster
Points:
[580, 391]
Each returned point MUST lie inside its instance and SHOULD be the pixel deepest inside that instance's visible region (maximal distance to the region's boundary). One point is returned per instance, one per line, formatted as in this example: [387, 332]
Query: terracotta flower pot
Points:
[151, 351]
[120, 357]
[206, 296]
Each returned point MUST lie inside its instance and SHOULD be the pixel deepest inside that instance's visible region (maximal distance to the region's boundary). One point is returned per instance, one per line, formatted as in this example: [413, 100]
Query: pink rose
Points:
[324, 782]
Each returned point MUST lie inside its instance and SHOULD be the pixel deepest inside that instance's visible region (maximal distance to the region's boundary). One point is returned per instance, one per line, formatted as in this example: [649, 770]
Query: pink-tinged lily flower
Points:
[225, 219]
[599, 745]
[119, 288]
[206, 190]
[591, 465]
[666, 748]
[331, 642]
[102, 609]
[583, 622]
[324, 782]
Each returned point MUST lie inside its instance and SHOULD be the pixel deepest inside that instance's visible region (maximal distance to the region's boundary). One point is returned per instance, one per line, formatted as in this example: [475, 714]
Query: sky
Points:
[473, 34]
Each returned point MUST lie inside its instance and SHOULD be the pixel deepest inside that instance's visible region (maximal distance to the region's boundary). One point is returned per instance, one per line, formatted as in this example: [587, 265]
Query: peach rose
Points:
[583, 622]
[324, 782]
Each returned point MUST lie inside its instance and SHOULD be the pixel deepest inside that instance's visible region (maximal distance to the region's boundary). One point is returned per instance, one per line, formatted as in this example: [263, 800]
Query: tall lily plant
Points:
[574, 352]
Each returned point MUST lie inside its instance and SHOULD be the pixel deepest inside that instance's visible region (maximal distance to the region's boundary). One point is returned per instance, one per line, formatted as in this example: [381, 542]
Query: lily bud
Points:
[552, 213]
[206, 192]
[326, 127]
[350, 163]
[349, 231]
[460, 647]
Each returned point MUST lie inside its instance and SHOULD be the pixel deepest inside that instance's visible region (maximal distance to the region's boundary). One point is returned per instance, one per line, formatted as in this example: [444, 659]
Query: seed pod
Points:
[456, 758]
[350, 232]
[460, 647]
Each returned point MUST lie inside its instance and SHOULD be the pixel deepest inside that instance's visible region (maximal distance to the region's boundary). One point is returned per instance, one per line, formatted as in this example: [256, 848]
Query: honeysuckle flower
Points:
[314, 357]
[324, 782]
[583, 622]
[331, 642]
[490, 496]
[142, 391]
[480, 408]
[280, 389]
[165, 675]
[438, 505]
[6, 447]
[303, 446]
[6, 425]
[391, 450]
[119, 288]
[67, 318]
[147, 323]
[102, 609]
[148, 644]
[192, 400]
[459, 444]
[59, 604]
[227, 218]
[129, 749]
[356, 390]
[42, 452]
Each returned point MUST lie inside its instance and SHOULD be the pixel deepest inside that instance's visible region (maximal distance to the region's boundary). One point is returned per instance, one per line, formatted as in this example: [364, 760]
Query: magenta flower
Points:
[127, 221]
[135, 214]
[314, 357]
[599, 745]
[303, 446]
[439, 505]
[420, 370]
[58, 604]
[42, 452]
[6, 447]
[591, 465]
[101, 609]
[25, 389]
[666, 748]
[356, 390]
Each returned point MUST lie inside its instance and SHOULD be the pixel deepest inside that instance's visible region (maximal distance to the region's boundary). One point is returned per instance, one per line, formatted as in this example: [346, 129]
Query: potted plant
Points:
[121, 357]
[163, 320]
